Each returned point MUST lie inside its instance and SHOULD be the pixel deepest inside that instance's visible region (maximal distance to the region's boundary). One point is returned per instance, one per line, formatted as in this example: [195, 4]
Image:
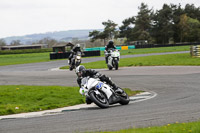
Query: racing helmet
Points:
[78, 45]
[111, 42]
[79, 70]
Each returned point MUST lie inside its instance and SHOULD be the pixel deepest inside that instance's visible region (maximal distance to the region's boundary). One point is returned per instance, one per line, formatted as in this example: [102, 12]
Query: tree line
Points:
[47, 40]
[171, 24]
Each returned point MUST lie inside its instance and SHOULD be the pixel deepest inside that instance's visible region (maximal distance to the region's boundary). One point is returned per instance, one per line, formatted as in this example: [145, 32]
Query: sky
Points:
[23, 17]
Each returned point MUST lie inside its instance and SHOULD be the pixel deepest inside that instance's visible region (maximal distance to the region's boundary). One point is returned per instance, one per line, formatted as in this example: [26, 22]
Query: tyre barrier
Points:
[65, 55]
[195, 51]
[138, 46]
[117, 47]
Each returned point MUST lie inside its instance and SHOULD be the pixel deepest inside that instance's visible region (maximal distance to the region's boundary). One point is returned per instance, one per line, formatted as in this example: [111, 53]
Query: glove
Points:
[106, 53]
[105, 78]
[98, 75]
[102, 77]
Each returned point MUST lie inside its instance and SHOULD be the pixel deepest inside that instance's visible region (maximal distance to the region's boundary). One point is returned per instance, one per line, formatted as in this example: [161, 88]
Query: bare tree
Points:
[2, 42]
[15, 43]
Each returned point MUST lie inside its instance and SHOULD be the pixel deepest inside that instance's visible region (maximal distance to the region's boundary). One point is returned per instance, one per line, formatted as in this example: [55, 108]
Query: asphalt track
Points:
[177, 100]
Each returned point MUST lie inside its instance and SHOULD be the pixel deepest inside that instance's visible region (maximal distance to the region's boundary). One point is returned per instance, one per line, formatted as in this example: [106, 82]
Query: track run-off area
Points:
[177, 100]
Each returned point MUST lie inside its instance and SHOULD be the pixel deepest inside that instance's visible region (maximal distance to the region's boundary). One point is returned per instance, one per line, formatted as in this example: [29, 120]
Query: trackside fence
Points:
[195, 51]
[65, 55]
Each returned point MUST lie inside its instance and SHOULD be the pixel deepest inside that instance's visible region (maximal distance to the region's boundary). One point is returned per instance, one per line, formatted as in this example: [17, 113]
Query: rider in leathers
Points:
[107, 47]
[74, 51]
[82, 72]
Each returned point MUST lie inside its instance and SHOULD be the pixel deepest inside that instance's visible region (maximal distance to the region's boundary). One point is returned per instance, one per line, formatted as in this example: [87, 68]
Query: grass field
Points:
[153, 50]
[155, 60]
[13, 59]
[20, 98]
[192, 127]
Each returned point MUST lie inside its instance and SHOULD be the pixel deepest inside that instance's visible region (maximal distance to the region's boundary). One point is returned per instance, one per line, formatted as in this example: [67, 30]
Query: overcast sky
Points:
[22, 17]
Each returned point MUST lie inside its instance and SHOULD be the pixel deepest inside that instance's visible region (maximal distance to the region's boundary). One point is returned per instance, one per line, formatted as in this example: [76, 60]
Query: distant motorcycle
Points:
[101, 93]
[113, 58]
[75, 61]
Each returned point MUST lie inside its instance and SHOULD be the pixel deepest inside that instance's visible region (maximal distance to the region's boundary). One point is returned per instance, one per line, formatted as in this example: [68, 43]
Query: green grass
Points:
[12, 59]
[155, 60]
[23, 51]
[152, 50]
[20, 98]
[192, 127]
[132, 93]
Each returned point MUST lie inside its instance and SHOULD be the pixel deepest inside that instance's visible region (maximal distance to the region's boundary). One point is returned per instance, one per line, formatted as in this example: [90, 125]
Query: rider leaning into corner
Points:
[110, 45]
[82, 72]
[74, 50]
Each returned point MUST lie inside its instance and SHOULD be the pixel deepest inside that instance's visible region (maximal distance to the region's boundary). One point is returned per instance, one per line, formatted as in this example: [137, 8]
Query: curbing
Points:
[137, 98]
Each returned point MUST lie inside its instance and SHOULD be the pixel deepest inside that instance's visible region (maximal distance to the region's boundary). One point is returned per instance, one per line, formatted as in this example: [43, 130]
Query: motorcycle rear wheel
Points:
[124, 100]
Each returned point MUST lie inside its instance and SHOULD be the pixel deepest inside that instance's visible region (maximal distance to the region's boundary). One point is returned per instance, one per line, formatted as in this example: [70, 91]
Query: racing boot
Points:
[120, 92]
[88, 100]
[117, 89]
[69, 61]
[106, 60]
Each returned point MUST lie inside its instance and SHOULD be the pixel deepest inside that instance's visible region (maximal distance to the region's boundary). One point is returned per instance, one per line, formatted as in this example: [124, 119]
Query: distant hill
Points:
[59, 36]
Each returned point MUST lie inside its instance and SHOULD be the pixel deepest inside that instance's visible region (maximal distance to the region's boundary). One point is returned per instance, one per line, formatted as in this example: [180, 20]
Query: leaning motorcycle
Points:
[75, 61]
[101, 93]
[113, 58]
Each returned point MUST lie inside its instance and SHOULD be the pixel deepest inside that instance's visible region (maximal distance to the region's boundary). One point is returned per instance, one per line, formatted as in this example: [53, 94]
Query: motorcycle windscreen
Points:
[84, 81]
[78, 54]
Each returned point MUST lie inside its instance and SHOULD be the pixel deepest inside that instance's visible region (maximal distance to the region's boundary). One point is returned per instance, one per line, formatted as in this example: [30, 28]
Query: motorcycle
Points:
[75, 61]
[113, 58]
[101, 93]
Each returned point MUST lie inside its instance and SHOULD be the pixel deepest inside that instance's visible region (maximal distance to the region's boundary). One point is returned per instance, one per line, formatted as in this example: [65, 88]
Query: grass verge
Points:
[162, 60]
[155, 60]
[20, 98]
[192, 127]
[153, 50]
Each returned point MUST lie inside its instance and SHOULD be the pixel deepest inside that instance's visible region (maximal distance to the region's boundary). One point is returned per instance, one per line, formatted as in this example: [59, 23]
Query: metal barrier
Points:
[195, 51]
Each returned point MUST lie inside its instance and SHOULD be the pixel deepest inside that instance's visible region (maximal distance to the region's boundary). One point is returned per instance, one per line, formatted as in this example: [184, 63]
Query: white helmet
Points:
[79, 70]
[78, 45]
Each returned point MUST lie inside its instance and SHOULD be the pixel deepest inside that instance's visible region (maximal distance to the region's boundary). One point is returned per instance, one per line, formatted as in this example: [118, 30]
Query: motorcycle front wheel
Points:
[99, 99]
[116, 64]
[71, 68]
[78, 63]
